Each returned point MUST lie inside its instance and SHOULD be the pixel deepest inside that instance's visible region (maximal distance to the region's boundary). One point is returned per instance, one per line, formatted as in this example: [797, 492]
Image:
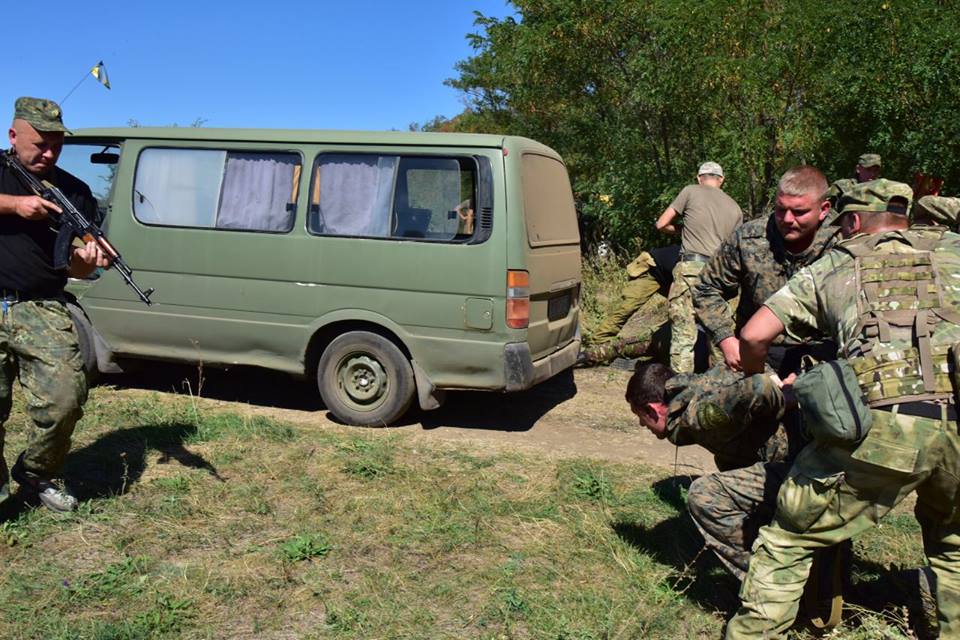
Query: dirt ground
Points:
[580, 413]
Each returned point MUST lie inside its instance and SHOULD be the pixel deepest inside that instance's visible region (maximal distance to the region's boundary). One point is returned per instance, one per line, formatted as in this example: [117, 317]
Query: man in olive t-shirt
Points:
[707, 216]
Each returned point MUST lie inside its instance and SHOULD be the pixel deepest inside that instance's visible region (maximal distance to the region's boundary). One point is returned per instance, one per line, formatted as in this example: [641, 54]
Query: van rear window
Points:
[388, 196]
[548, 202]
[247, 191]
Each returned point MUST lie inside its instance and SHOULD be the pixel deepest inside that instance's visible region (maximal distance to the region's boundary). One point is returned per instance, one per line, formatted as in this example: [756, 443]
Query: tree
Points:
[636, 93]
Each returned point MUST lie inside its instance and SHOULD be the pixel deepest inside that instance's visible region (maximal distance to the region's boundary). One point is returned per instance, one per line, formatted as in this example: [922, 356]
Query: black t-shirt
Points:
[666, 258]
[26, 246]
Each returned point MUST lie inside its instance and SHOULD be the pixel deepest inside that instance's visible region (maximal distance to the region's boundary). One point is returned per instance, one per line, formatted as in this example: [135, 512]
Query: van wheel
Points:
[365, 380]
[88, 351]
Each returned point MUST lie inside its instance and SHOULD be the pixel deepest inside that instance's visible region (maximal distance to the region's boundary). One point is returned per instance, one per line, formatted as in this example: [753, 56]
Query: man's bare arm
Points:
[756, 337]
[665, 222]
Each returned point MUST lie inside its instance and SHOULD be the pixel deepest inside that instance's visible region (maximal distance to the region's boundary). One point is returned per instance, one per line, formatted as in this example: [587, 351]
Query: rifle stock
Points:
[72, 223]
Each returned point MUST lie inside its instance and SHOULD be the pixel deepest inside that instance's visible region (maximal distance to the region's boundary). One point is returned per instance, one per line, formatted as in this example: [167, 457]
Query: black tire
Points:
[85, 337]
[365, 380]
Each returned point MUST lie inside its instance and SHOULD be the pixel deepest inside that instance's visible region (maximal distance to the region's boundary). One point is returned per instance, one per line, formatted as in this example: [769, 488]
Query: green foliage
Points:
[586, 481]
[119, 579]
[367, 458]
[603, 280]
[219, 425]
[178, 485]
[304, 547]
[636, 93]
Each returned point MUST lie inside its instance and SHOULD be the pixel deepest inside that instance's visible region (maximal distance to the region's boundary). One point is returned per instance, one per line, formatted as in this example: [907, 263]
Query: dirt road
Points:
[580, 413]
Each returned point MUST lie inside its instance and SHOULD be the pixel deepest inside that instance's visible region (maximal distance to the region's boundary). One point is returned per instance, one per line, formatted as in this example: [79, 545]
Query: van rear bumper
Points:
[521, 372]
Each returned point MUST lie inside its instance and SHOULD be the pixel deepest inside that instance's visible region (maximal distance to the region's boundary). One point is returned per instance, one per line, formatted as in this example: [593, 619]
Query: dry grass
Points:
[201, 524]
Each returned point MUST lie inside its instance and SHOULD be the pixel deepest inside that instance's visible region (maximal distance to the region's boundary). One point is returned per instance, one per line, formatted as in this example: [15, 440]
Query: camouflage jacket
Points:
[823, 296]
[754, 262]
[737, 419]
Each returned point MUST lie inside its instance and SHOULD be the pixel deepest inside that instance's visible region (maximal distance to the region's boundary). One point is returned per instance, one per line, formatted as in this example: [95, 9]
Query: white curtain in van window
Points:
[178, 187]
[257, 189]
[356, 193]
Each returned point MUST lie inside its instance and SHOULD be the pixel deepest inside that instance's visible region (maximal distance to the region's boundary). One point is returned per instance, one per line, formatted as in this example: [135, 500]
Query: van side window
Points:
[247, 191]
[407, 197]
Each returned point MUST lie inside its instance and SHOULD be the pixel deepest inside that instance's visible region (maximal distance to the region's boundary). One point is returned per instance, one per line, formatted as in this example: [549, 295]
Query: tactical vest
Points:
[901, 358]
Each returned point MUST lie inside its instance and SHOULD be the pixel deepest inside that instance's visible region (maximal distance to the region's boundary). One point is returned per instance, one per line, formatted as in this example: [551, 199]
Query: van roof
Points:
[315, 136]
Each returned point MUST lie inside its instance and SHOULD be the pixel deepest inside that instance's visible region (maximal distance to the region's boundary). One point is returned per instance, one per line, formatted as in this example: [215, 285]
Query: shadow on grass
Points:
[116, 460]
[250, 385]
[675, 542]
[262, 387]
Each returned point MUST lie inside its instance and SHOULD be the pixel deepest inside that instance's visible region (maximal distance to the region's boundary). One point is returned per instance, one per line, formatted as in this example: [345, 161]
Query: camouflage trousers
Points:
[729, 508]
[834, 493]
[38, 346]
[634, 295]
[682, 318]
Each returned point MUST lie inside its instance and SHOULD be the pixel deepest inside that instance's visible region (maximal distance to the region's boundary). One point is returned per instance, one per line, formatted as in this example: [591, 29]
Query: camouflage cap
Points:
[43, 115]
[876, 196]
[710, 168]
[869, 160]
[938, 209]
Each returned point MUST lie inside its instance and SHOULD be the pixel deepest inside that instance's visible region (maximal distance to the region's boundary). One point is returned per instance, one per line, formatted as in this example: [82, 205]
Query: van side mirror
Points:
[104, 157]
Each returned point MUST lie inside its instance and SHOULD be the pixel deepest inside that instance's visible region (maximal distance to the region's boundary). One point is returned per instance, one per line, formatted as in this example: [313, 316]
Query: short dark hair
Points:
[648, 383]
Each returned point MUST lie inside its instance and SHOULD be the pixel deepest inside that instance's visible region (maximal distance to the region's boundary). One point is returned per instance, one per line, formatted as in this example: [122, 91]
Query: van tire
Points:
[365, 380]
[88, 351]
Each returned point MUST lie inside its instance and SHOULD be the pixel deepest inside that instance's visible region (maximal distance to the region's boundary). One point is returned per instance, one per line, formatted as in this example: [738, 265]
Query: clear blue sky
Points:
[355, 64]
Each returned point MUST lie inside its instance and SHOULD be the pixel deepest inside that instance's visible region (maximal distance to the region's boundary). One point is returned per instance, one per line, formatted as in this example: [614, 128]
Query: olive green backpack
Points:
[831, 403]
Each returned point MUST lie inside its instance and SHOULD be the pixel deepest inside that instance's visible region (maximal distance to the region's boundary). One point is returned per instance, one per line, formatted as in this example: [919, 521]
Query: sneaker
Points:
[53, 492]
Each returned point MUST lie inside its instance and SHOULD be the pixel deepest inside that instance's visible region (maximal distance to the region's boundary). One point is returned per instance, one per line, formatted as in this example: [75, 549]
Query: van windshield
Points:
[76, 159]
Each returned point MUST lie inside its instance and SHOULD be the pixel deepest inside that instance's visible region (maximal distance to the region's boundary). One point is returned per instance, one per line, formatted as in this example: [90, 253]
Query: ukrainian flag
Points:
[100, 73]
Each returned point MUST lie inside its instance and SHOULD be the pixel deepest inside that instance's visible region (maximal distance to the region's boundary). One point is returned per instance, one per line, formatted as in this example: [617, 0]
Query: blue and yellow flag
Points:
[100, 73]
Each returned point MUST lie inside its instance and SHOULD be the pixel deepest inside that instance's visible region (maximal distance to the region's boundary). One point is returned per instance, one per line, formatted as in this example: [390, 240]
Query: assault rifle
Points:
[71, 224]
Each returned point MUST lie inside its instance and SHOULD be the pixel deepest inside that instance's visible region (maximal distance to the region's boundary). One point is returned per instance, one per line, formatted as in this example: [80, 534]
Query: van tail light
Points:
[518, 299]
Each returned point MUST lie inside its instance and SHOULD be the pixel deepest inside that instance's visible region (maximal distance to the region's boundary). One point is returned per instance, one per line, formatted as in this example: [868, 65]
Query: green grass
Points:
[203, 524]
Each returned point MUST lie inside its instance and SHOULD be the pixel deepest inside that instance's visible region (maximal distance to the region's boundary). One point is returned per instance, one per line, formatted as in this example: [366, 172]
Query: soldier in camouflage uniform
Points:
[38, 343]
[744, 422]
[648, 274]
[867, 169]
[704, 216]
[729, 507]
[759, 258]
[937, 211]
[890, 296]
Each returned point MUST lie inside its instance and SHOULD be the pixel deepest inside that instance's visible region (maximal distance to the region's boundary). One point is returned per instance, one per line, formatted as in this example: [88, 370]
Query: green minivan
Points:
[386, 265]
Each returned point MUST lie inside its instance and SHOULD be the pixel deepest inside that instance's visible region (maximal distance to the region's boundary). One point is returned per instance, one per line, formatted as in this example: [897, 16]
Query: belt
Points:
[11, 297]
[922, 409]
[694, 257]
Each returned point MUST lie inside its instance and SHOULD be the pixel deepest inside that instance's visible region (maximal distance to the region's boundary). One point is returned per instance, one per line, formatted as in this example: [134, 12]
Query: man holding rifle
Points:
[38, 342]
